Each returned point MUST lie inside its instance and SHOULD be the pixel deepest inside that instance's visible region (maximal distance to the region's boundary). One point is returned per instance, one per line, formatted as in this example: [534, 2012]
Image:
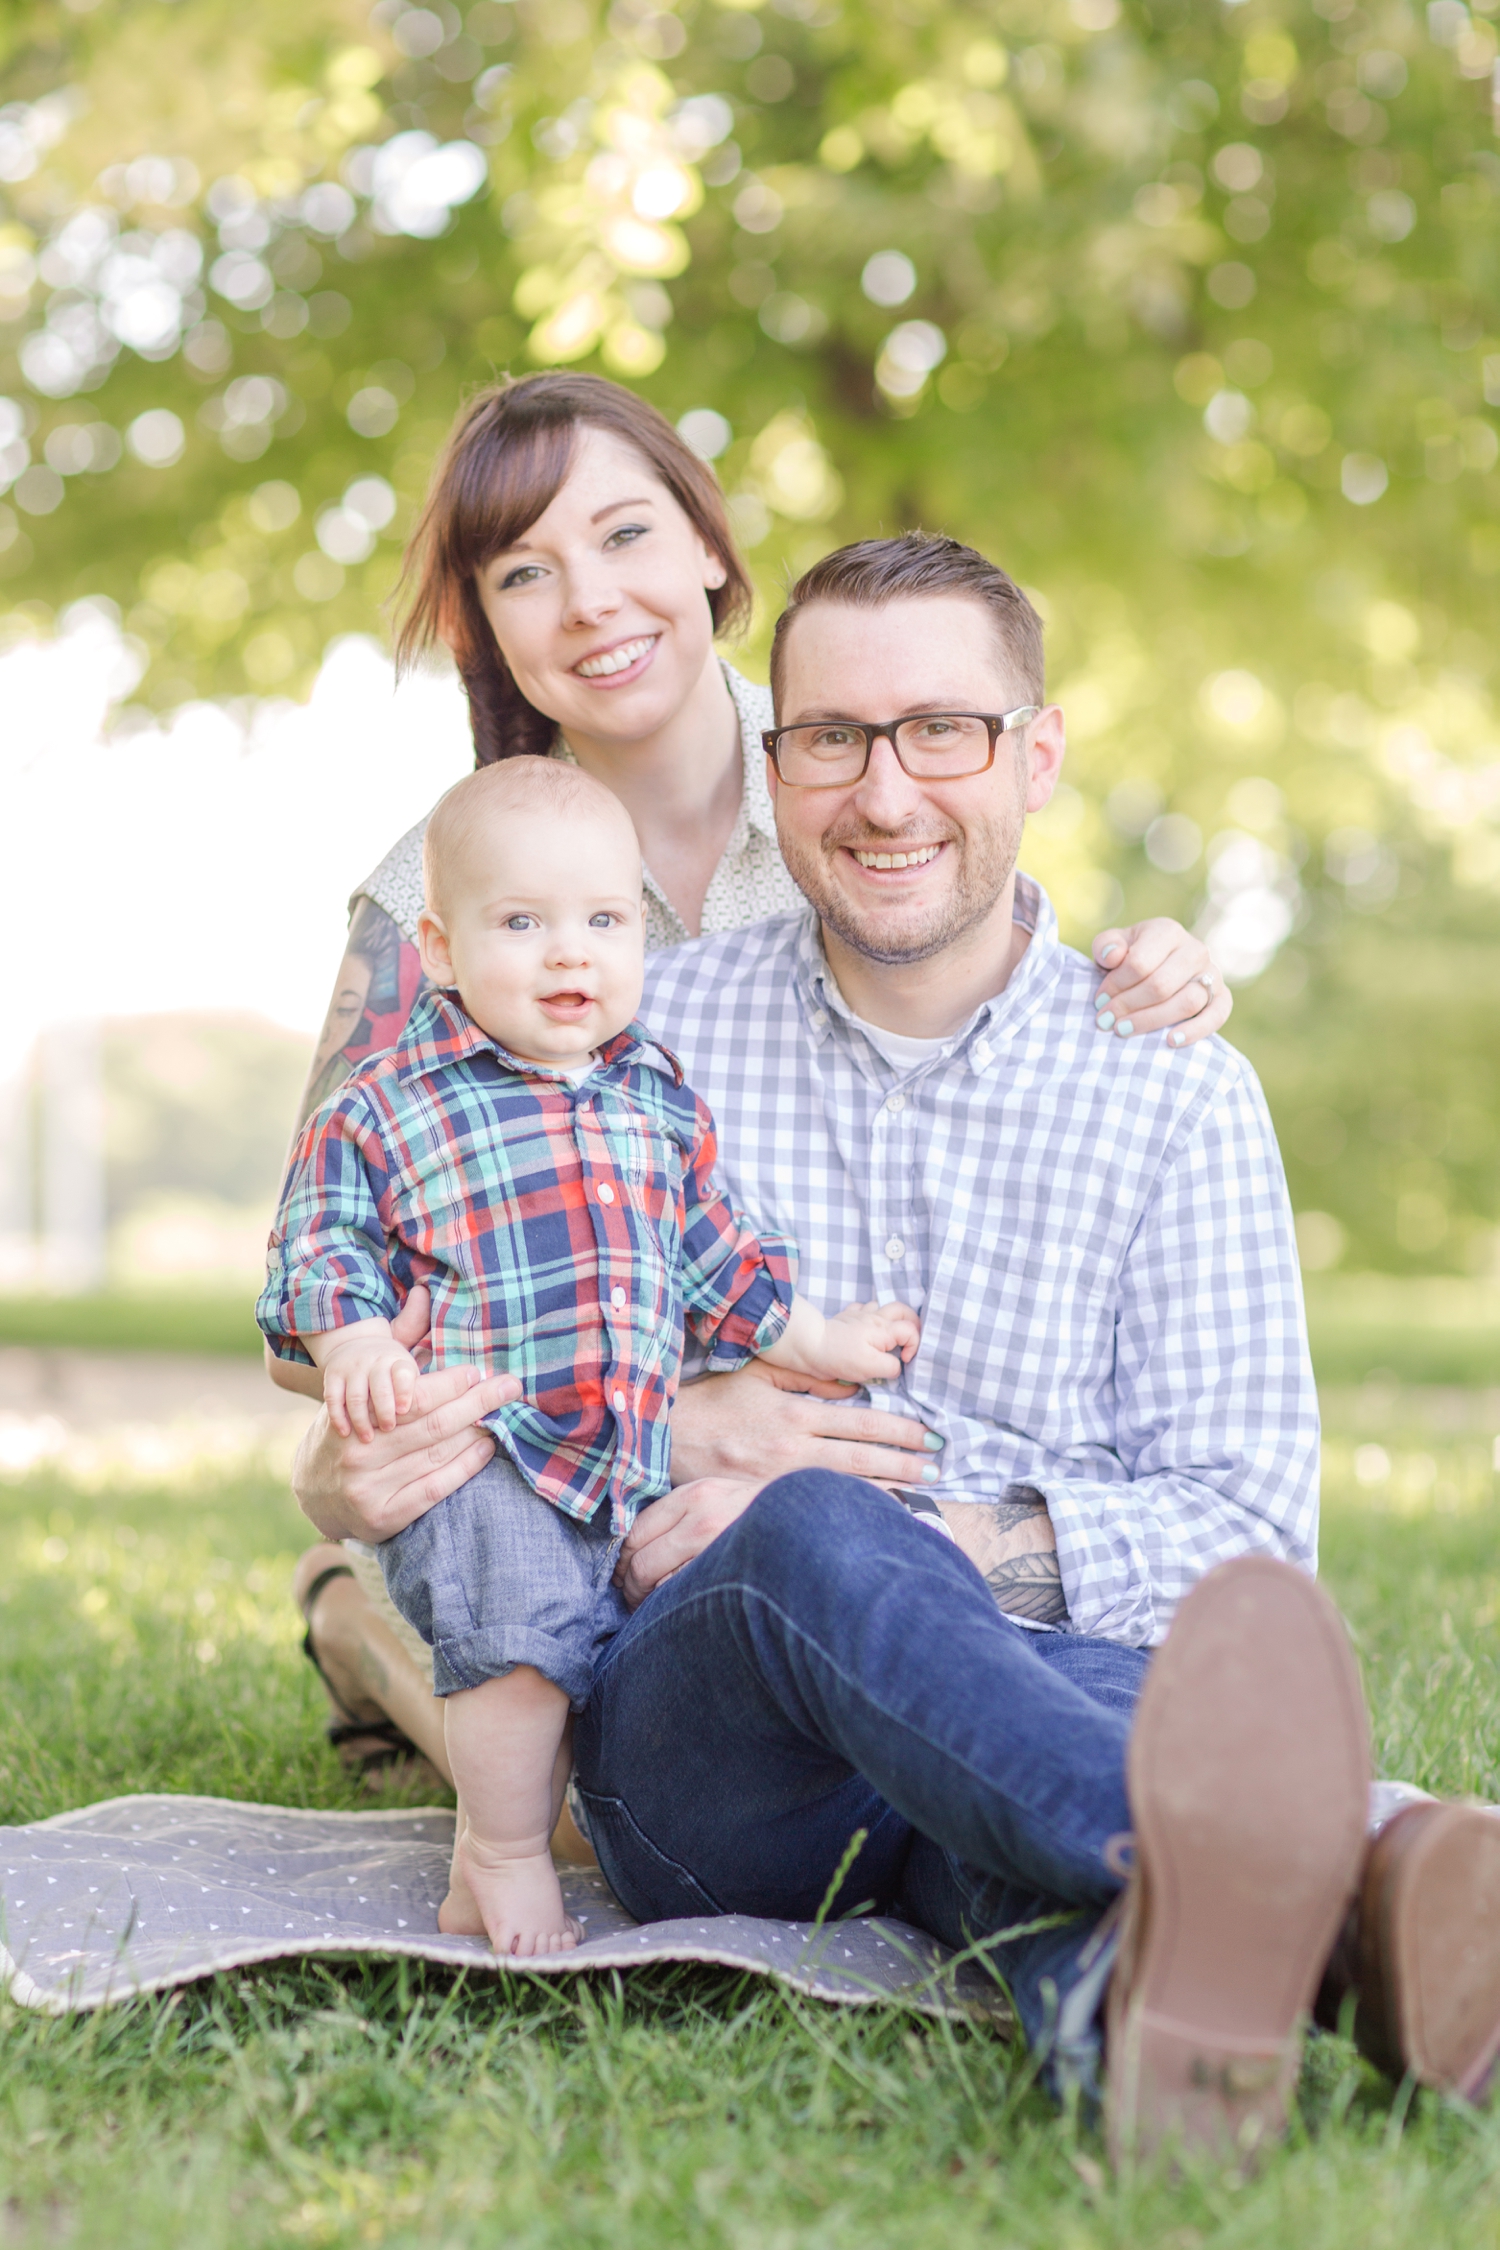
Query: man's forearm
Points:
[1012, 1545]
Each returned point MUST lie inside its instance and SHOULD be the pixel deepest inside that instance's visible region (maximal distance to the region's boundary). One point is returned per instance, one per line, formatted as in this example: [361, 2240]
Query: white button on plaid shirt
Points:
[1096, 1232]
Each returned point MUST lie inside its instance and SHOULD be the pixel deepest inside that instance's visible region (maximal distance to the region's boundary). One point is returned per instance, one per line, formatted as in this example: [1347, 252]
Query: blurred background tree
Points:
[1189, 313]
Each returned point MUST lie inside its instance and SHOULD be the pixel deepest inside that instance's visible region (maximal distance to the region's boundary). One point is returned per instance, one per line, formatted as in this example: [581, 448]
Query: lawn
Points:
[147, 1644]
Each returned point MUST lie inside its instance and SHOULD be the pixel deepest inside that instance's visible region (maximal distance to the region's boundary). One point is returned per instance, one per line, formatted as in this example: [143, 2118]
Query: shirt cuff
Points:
[1106, 1577]
[755, 1322]
[316, 1310]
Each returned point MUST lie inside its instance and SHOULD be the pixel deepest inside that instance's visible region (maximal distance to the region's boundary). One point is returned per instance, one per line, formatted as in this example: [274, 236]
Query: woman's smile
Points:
[612, 667]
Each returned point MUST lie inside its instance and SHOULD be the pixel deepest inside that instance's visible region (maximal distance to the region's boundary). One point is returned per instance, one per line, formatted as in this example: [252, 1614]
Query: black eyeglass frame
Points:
[998, 723]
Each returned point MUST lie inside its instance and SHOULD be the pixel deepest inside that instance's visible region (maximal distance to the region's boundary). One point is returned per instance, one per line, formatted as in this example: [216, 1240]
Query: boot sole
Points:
[1439, 1945]
[1248, 1777]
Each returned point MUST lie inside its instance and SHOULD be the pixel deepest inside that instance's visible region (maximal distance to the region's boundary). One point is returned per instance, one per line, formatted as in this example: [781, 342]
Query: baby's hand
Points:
[869, 1343]
[369, 1380]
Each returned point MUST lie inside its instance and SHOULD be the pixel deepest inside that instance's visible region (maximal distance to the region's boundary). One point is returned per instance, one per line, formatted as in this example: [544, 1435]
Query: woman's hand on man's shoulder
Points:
[1159, 977]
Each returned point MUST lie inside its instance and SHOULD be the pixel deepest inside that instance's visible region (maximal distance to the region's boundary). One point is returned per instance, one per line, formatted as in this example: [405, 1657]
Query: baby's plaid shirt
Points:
[564, 1232]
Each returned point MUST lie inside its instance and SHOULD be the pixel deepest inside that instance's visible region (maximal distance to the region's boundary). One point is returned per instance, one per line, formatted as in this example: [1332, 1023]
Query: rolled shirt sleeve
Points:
[327, 1261]
[1216, 1411]
[736, 1284]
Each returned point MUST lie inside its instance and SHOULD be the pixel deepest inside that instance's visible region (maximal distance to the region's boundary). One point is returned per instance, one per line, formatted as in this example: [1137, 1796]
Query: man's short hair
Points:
[872, 572]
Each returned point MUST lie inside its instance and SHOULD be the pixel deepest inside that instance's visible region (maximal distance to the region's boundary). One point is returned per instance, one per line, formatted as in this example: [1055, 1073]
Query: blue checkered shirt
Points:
[1096, 1232]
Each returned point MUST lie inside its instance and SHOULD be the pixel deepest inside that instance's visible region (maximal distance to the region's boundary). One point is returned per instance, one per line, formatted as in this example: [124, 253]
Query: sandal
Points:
[390, 1743]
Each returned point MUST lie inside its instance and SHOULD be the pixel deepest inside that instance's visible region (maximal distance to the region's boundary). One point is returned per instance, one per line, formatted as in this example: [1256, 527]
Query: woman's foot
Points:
[513, 1899]
[338, 1615]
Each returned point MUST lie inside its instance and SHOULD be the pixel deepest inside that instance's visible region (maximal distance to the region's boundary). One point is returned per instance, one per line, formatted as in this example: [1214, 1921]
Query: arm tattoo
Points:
[379, 979]
[1018, 1504]
[1027, 1585]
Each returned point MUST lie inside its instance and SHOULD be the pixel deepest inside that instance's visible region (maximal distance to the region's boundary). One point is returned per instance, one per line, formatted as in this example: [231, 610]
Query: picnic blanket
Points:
[142, 1893]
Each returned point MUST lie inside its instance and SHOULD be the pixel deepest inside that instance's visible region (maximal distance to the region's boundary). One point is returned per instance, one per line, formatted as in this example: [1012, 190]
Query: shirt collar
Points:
[992, 1024]
[755, 711]
[440, 1034]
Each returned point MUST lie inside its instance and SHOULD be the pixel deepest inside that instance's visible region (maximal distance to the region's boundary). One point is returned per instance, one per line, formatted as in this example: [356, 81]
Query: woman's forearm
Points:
[291, 1375]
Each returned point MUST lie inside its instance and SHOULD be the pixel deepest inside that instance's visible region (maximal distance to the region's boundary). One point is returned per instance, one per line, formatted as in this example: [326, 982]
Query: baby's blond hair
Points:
[511, 786]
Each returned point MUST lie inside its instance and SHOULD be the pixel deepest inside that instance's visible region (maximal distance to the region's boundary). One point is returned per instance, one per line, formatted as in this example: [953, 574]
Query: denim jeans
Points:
[495, 1576]
[830, 1664]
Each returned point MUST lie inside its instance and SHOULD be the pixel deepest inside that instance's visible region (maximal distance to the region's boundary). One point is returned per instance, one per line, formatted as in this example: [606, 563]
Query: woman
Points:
[575, 558]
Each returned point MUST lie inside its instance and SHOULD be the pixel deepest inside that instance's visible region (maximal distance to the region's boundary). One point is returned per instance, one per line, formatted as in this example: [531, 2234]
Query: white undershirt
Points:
[899, 1051]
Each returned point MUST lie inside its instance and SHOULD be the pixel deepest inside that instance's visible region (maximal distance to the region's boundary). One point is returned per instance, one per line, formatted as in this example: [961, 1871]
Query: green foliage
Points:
[149, 1644]
[1198, 331]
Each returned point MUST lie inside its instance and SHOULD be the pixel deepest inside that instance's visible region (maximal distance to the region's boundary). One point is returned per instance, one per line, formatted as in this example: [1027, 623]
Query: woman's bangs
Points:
[505, 480]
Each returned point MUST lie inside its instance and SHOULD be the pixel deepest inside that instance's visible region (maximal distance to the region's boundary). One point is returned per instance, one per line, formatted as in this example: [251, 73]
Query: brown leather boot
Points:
[1248, 1778]
[1420, 1950]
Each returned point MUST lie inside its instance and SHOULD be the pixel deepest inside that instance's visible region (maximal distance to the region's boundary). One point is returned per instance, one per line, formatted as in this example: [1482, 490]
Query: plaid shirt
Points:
[1095, 1230]
[563, 1232]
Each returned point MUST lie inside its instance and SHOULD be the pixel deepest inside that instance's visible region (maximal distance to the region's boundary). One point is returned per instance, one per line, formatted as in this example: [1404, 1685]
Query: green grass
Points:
[158, 1320]
[1413, 1330]
[145, 1643]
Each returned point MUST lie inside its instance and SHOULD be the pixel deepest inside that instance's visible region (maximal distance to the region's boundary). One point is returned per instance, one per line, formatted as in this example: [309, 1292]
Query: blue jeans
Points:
[495, 1576]
[830, 1664]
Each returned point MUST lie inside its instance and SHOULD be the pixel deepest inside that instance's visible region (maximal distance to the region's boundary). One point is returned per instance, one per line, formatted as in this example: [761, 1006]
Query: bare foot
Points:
[517, 1897]
[459, 1914]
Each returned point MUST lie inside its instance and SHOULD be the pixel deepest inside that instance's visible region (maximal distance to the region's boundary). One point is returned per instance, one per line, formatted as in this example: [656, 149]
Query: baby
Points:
[534, 1158]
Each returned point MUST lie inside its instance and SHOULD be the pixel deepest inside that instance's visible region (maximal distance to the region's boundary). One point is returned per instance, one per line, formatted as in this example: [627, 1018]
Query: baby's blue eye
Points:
[519, 922]
[600, 921]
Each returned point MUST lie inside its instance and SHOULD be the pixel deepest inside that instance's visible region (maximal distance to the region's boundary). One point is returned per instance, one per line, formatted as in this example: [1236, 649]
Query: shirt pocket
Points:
[1022, 1320]
[646, 1157]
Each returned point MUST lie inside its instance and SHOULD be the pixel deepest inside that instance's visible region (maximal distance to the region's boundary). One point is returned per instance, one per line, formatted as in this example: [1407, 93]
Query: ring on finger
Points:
[1207, 980]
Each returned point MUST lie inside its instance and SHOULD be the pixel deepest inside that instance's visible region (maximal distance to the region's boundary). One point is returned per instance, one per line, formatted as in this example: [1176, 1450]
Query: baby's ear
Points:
[432, 944]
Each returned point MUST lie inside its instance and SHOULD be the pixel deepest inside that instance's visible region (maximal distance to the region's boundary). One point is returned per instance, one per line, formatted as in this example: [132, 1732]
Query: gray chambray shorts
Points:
[494, 1576]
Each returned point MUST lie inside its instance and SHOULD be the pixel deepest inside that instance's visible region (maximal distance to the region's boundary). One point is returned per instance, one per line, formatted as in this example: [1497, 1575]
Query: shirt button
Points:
[606, 1192]
[618, 1402]
[617, 1298]
[895, 1248]
[895, 1101]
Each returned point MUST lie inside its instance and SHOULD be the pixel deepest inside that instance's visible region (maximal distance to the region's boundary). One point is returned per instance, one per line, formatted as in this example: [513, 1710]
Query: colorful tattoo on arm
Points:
[376, 988]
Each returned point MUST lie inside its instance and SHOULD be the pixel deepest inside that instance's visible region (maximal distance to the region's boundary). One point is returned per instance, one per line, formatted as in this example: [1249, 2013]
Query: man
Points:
[1098, 1240]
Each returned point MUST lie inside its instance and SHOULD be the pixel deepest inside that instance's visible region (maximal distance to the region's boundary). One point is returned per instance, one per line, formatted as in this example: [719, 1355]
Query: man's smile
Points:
[917, 856]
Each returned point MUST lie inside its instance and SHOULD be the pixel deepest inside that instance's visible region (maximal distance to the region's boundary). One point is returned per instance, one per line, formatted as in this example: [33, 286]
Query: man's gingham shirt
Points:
[563, 1231]
[1095, 1231]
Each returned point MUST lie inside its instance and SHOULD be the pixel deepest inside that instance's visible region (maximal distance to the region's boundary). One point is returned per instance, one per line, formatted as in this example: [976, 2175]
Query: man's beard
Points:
[985, 859]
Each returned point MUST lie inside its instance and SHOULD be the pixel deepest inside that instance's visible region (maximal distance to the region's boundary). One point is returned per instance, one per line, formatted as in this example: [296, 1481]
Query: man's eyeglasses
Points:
[930, 746]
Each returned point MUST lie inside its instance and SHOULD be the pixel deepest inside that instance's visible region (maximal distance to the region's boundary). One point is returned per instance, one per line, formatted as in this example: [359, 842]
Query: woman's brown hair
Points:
[503, 466]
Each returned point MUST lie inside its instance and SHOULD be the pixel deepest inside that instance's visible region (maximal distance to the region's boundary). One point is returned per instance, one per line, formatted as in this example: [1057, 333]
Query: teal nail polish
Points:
[1106, 1022]
[1176, 1038]
[932, 1441]
[1123, 1030]
[930, 1475]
